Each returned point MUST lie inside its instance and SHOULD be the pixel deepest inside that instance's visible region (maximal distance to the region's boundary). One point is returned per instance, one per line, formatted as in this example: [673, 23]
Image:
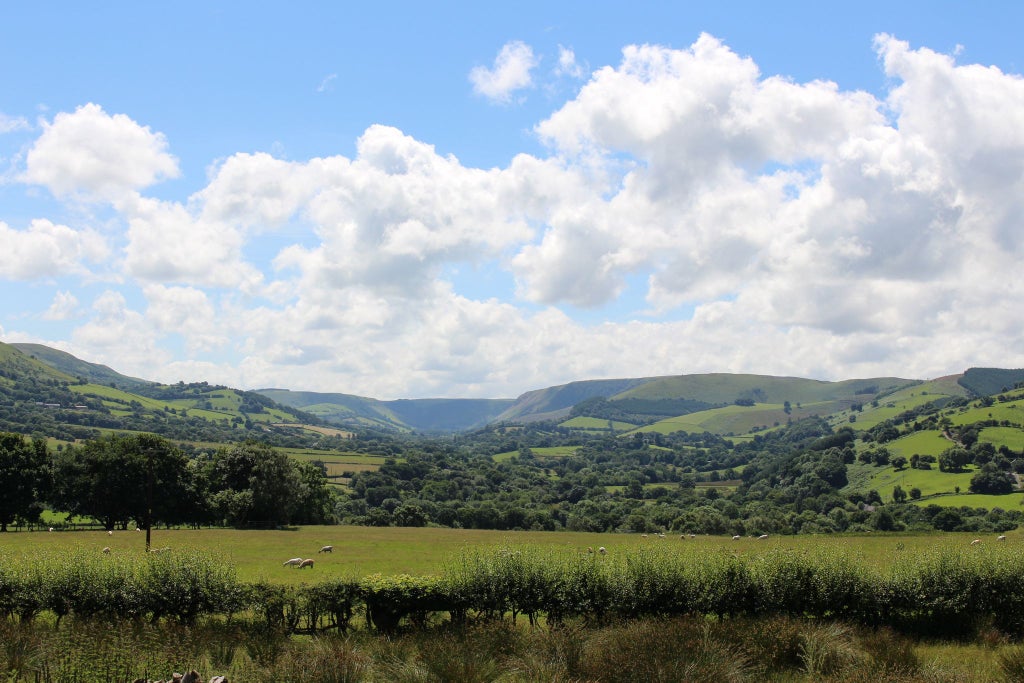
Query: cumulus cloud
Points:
[167, 243]
[64, 306]
[120, 337]
[47, 250]
[511, 72]
[567, 64]
[773, 226]
[187, 311]
[93, 155]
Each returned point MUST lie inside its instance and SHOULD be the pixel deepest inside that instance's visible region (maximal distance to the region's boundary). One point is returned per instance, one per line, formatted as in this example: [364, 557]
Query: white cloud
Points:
[167, 243]
[511, 72]
[327, 83]
[774, 227]
[9, 124]
[567, 64]
[185, 311]
[93, 155]
[119, 337]
[47, 250]
[64, 306]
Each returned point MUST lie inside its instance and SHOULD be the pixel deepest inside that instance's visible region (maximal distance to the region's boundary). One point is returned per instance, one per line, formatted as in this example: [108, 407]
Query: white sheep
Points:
[218, 679]
[294, 561]
[106, 551]
[590, 551]
[306, 563]
[693, 535]
[51, 528]
[326, 549]
[735, 538]
[602, 550]
[1001, 538]
[110, 533]
[762, 537]
[976, 541]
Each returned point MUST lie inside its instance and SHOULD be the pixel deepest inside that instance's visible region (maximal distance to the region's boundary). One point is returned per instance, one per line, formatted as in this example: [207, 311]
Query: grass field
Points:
[597, 424]
[359, 551]
[924, 442]
[541, 452]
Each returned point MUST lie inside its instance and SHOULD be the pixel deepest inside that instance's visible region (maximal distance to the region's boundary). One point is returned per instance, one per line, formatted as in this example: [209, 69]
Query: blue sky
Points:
[455, 199]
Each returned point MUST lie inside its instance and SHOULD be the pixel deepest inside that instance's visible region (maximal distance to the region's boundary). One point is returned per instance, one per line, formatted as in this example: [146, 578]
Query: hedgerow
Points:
[946, 592]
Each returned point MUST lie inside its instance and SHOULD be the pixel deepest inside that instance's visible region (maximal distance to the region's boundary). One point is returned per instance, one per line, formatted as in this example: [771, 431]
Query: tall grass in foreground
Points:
[691, 649]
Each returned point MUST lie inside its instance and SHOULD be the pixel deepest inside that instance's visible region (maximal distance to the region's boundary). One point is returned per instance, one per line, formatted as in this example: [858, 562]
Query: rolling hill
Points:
[51, 394]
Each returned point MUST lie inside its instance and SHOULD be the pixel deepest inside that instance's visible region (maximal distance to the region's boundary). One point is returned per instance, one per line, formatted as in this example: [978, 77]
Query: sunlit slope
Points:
[888, 406]
[735, 420]
[77, 368]
[726, 388]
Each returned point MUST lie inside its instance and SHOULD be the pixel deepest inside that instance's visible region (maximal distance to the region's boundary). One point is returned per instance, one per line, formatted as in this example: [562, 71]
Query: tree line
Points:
[144, 479]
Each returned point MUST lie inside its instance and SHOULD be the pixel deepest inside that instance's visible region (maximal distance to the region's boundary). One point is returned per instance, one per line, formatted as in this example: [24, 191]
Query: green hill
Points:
[422, 415]
[987, 381]
[57, 401]
[70, 365]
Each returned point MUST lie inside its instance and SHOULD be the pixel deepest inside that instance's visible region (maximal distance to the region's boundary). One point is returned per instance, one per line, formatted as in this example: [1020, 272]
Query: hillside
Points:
[50, 394]
[70, 365]
[421, 415]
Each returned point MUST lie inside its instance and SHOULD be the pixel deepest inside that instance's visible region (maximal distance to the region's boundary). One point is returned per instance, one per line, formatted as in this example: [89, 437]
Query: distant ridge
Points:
[68, 364]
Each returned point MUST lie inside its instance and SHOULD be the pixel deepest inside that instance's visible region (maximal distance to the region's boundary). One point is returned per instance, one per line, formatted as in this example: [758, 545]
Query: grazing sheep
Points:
[191, 677]
[661, 535]
[326, 549]
[693, 535]
[602, 550]
[762, 537]
[306, 563]
[590, 551]
[976, 541]
[51, 528]
[110, 533]
[294, 561]
[218, 679]
[643, 535]
[682, 537]
[1001, 538]
[106, 551]
[735, 538]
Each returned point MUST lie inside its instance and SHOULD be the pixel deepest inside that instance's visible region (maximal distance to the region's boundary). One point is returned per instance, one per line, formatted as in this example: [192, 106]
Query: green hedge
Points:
[945, 592]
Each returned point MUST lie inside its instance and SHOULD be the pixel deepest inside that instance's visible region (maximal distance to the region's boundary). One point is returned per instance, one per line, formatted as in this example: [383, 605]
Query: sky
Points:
[474, 200]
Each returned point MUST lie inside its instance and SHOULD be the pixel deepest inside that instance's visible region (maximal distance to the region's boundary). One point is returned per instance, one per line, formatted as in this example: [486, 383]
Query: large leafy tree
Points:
[251, 483]
[25, 478]
[119, 478]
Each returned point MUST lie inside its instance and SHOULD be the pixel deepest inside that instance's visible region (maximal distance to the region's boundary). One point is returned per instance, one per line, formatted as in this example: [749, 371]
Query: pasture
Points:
[361, 551]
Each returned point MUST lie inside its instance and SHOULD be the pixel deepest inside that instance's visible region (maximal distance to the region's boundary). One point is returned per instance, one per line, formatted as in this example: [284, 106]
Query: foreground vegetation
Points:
[684, 649]
[524, 613]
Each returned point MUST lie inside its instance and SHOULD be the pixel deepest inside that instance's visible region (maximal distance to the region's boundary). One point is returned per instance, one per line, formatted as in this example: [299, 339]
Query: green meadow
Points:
[361, 551]
[541, 452]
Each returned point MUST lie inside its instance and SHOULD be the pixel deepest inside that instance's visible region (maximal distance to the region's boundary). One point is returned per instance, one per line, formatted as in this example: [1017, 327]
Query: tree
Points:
[953, 459]
[274, 483]
[124, 477]
[991, 480]
[899, 462]
[25, 477]
[898, 494]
